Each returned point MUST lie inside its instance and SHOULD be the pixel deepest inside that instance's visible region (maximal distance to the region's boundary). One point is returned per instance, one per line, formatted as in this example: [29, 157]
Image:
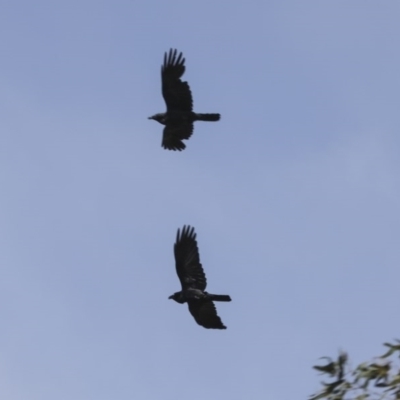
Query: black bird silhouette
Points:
[193, 281]
[179, 117]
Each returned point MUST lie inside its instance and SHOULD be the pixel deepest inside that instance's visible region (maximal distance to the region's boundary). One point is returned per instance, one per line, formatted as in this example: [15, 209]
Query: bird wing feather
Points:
[187, 260]
[174, 134]
[205, 314]
[176, 93]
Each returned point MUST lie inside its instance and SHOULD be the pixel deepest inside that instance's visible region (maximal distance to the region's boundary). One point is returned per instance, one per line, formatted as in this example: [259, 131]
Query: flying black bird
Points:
[179, 118]
[193, 281]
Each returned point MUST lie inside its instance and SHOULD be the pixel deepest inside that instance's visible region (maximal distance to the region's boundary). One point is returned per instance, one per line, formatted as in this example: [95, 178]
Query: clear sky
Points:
[294, 195]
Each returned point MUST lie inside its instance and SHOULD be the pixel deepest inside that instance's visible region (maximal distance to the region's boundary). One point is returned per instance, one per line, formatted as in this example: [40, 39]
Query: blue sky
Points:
[294, 195]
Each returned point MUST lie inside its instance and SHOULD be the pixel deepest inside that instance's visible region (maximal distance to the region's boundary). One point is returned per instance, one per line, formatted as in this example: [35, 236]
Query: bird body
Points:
[196, 294]
[193, 281]
[179, 117]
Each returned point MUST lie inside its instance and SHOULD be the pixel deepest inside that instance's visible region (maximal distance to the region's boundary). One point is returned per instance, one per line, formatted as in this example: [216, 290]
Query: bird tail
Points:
[220, 297]
[208, 117]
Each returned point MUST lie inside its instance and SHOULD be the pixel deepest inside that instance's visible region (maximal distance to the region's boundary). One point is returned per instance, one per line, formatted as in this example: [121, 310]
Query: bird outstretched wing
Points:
[176, 93]
[205, 314]
[174, 134]
[187, 260]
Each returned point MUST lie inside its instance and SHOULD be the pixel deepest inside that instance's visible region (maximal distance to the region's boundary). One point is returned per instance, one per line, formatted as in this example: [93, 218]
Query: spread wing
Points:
[187, 260]
[176, 93]
[205, 314]
[174, 134]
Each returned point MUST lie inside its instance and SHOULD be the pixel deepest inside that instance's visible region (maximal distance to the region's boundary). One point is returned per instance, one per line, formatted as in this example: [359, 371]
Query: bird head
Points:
[178, 297]
[159, 118]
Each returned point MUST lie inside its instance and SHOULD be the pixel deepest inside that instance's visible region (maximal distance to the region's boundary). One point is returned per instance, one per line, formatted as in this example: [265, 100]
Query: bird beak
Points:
[150, 118]
[170, 297]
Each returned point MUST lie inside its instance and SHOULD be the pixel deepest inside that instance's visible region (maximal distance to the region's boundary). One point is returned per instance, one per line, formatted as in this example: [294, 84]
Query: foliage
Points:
[375, 380]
